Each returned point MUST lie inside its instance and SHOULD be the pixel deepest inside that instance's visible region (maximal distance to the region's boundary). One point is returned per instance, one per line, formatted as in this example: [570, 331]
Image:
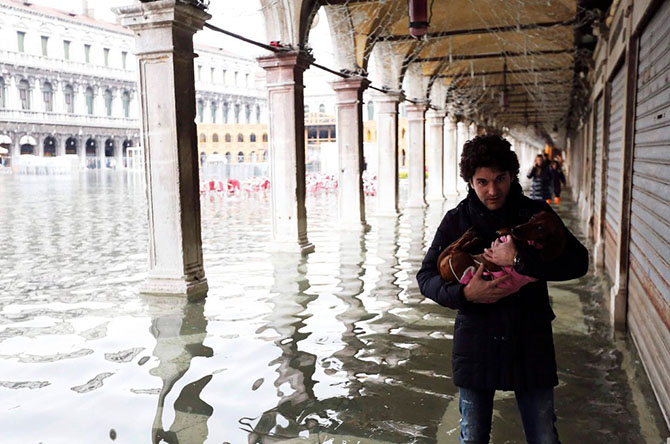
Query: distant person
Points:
[557, 178]
[541, 180]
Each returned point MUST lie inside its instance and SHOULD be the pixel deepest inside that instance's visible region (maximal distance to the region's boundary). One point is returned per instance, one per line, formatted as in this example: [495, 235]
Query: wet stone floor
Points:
[335, 347]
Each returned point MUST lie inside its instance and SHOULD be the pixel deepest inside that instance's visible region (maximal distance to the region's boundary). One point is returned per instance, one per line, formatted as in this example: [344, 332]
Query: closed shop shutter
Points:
[649, 275]
[613, 171]
[598, 171]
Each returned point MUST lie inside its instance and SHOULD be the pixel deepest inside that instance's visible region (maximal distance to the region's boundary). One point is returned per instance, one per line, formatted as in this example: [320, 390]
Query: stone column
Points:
[39, 144]
[462, 136]
[472, 131]
[79, 92]
[349, 103]
[36, 96]
[13, 100]
[60, 147]
[416, 155]
[99, 102]
[451, 159]
[435, 153]
[117, 108]
[81, 150]
[386, 106]
[284, 71]
[164, 51]
[118, 153]
[59, 98]
[206, 111]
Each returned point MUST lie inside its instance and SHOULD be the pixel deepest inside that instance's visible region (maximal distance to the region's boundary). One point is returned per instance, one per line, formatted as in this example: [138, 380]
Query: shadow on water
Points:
[338, 346]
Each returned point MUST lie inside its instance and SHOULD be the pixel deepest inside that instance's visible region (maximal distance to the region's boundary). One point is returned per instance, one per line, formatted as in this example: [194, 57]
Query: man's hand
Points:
[482, 291]
[501, 253]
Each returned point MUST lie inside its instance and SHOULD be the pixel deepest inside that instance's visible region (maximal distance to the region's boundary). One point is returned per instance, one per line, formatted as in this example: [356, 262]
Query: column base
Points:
[281, 246]
[435, 198]
[415, 205]
[386, 213]
[193, 290]
[353, 226]
[618, 308]
[599, 253]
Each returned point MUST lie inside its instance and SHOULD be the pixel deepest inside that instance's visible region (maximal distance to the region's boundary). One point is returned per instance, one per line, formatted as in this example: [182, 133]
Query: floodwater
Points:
[335, 347]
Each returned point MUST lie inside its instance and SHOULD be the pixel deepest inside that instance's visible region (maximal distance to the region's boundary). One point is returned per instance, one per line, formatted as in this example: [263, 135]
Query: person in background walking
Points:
[541, 179]
[557, 178]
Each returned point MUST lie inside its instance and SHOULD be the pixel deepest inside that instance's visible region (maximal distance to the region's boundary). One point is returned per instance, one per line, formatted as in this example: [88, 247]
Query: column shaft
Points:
[416, 156]
[461, 130]
[387, 152]
[451, 159]
[351, 202]
[287, 149]
[164, 48]
[435, 120]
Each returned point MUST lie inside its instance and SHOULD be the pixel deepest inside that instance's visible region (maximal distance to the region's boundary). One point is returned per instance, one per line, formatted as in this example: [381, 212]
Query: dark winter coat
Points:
[557, 178]
[507, 345]
[540, 186]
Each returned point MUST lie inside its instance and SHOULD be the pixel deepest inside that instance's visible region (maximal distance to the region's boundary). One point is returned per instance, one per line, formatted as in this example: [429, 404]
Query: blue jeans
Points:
[536, 408]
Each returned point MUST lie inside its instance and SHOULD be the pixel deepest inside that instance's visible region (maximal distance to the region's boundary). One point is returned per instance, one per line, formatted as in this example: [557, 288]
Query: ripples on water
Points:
[338, 344]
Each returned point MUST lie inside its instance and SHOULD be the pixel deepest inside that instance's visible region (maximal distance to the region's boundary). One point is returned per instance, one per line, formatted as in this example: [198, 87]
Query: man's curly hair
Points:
[491, 151]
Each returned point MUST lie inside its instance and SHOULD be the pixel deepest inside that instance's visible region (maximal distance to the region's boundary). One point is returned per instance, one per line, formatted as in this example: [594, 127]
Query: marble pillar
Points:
[164, 51]
[284, 77]
[349, 105]
[462, 137]
[416, 155]
[435, 154]
[451, 159]
[386, 105]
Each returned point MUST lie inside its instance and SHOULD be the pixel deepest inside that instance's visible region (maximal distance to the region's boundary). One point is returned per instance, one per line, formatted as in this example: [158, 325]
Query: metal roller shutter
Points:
[597, 159]
[649, 276]
[613, 171]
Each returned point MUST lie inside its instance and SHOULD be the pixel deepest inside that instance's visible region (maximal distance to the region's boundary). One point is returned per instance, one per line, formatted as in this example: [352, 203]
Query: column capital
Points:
[416, 110]
[350, 83]
[286, 59]
[436, 116]
[161, 14]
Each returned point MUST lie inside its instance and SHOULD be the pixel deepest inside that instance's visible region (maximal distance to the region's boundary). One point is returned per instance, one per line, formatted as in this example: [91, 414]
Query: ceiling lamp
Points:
[503, 89]
[418, 18]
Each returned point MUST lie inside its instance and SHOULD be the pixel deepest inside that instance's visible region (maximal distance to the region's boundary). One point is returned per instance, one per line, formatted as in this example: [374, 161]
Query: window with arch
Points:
[240, 157]
[402, 134]
[203, 138]
[265, 155]
[247, 113]
[322, 108]
[89, 100]
[252, 137]
[125, 100]
[225, 112]
[108, 102]
[228, 138]
[48, 96]
[403, 158]
[306, 109]
[2, 92]
[371, 110]
[258, 114]
[240, 137]
[24, 94]
[201, 111]
[265, 137]
[237, 113]
[228, 156]
[215, 138]
[214, 108]
[68, 93]
[368, 136]
[252, 156]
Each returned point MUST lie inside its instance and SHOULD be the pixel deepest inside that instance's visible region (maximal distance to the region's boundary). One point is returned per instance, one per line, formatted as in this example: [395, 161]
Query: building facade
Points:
[68, 85]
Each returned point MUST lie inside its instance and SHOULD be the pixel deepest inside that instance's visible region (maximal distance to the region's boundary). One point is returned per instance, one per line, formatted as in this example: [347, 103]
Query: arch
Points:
[214, 107]
[201, 111]
[91, 148]
[215, 138]
[48, 97]
[306, 109]
[24, 94]
[68, 93]
[402, 134]
[258, 114]
[89, 100]
[203, 138]
[2, 92]
[49, 146]
[252, 137]
[71, 146]
[322, 108]
[240, 137]
[240, 157]
[247, 113]
[226, 108]
[252, 157]
[403, 158]
[27, 144]
[265, 137]
[228, 156]
[237, 113]
[368, 136]
[228, 138]
[109, 147]
[265, 156]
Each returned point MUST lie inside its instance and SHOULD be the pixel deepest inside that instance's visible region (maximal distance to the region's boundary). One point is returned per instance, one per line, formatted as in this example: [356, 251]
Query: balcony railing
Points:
[43, 117]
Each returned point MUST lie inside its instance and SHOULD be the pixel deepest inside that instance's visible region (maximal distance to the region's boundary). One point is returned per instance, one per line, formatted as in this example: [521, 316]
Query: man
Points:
[501, 341]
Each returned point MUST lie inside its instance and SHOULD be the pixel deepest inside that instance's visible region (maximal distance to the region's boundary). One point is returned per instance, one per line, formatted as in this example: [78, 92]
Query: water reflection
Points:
[180, 329]
[333, 347]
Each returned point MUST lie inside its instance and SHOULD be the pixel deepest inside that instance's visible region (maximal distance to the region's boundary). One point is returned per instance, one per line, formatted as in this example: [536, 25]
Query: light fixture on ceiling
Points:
[503, 89]
[418, 18]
